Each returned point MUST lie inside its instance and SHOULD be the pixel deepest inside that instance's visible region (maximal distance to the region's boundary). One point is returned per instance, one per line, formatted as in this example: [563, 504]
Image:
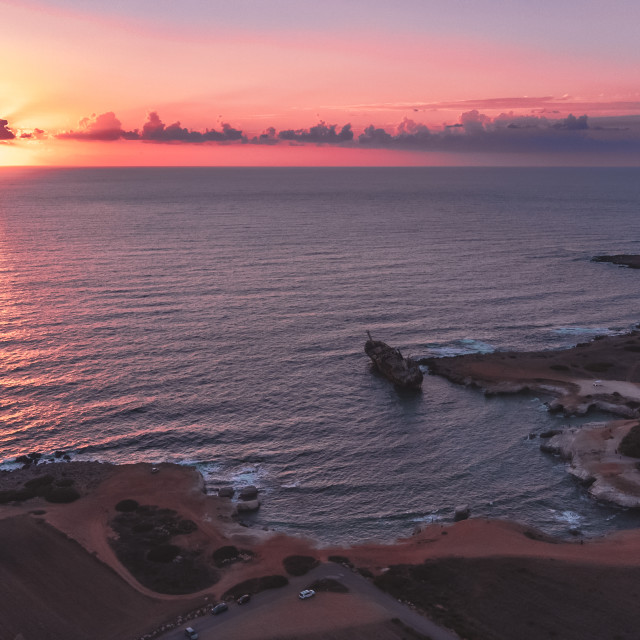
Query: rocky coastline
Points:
[595, 457]
[602, 374]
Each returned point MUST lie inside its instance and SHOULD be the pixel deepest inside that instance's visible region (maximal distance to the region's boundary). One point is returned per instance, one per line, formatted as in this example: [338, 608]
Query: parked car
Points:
[244, 599]
[219, 608]
[307, 593]
[191, 633]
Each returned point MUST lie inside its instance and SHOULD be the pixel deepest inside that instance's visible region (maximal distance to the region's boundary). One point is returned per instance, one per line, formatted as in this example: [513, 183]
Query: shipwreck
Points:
[402, 371]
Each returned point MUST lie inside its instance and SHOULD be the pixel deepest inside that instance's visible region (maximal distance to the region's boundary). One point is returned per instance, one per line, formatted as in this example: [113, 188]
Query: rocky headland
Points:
[602, 374]
[630, 260]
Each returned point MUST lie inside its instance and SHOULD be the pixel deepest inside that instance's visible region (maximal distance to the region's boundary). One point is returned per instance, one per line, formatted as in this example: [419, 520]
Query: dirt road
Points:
[280, 613]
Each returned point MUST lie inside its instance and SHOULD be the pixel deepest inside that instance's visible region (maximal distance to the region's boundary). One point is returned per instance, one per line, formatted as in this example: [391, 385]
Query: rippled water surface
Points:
[217, 317]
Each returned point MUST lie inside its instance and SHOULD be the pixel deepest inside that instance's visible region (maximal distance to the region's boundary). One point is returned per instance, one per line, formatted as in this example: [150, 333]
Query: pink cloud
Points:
[5, 132]
[105, 127]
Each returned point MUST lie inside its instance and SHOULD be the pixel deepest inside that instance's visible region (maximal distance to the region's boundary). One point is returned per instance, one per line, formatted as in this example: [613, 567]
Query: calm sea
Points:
[217, 317]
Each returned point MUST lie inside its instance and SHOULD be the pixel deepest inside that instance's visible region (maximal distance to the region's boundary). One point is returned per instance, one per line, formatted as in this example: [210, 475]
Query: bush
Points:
[225, 555]
[184, 527]
[127, 505]
[340, 560]
[598, 367]
[559, 367]
[630, 444]
[15, 495]
[39, 486]
[328, 585]
[64, 482]
[255, 585]
[299, 565]
[163, 553]
[62, 495]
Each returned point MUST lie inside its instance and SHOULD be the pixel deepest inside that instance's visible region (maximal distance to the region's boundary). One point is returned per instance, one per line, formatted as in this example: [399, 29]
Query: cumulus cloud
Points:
[105, 127]
[321, 133]
[154, 130]
[36, 134]
[477, 132]
[5, 132]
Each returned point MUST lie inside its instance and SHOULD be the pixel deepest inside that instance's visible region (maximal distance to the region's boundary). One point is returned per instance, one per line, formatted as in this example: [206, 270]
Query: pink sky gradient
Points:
[291, 68]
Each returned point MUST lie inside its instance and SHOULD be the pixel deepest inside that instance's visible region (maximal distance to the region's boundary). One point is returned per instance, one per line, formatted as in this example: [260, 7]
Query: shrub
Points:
[127, 505]
[15, 495]
[329, 585]
[62, 495]
[559, 367]
[630, 444]
[299, 565]
[184, 527]
[598, 367]
[64, 482]
[225, 555]
[340, 560]
[255, 585]
[163, 553]
[39, 486]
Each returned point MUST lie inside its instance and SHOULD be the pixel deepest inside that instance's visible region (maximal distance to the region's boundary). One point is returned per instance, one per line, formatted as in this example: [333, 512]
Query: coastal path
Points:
[280, 613]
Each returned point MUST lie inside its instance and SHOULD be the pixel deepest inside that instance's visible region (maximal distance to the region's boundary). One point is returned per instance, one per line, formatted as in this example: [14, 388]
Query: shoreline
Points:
[87, 522]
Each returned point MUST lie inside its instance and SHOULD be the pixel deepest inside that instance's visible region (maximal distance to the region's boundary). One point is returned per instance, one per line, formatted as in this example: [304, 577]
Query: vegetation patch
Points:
[127, 505]
[341, 560]
[62, 495]
[328, 585]
[559, 367]
[255, 585]
[507, 598]
[229, 554]
[163, 553]
[598, 367]
[144, 545]
[409, 632]
[299, 565]
[41, 487]
[630, 444]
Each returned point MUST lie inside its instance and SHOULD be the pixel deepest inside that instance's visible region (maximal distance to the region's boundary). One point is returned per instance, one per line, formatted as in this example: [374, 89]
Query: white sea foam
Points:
[588, 331]
[462, 347]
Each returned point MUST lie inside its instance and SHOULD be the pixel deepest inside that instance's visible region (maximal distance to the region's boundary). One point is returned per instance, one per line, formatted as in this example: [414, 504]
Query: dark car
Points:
[244, 599]
[219, 608]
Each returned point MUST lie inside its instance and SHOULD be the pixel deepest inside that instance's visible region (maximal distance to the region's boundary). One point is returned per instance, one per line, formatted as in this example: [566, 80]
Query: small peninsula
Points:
[602, 374]
[630, 260]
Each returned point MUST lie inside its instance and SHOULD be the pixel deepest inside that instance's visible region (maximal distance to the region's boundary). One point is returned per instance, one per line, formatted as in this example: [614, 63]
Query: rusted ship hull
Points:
[402, 371]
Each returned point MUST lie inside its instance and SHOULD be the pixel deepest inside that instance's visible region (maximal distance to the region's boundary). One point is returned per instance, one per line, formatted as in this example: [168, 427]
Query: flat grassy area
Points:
[377, 631]
[51, 588]
[524, 598]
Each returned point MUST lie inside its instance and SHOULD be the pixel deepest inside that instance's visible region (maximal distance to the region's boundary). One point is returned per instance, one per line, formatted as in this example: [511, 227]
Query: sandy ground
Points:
[51, 604]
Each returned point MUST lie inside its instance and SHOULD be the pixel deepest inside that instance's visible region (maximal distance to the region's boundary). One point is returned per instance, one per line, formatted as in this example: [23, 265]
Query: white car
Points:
[307, 593]
[191, 633]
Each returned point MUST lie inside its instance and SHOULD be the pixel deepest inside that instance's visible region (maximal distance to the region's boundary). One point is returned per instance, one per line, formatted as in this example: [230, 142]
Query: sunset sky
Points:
[349, 82]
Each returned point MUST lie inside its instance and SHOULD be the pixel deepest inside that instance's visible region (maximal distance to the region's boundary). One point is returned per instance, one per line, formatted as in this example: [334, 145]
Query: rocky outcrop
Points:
[249, 492]
[462, 512]
[593, 452]
[630, 260]
[247, 506]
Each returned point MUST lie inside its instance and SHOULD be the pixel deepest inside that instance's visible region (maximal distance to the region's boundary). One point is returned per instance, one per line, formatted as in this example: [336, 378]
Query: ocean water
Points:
[217, 317]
